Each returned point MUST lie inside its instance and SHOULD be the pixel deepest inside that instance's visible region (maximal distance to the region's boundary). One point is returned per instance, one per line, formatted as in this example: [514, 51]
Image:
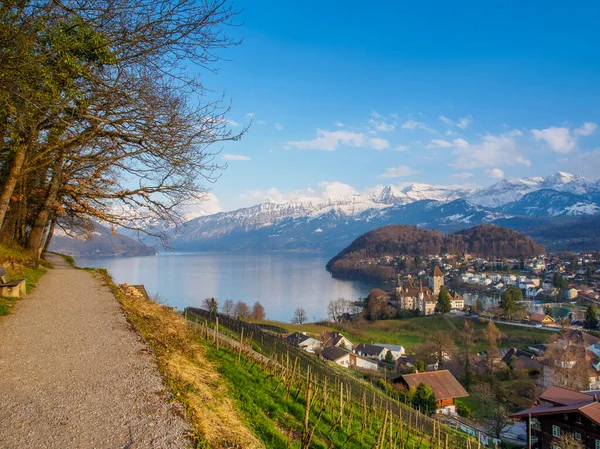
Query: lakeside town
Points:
[549, 297]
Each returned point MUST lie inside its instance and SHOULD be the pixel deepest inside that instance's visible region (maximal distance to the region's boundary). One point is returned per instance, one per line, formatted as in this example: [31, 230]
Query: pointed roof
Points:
[443, 383]
[437, 272]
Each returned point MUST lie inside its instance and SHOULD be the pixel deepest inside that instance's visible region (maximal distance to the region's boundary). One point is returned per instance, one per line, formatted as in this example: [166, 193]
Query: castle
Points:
[425, 299]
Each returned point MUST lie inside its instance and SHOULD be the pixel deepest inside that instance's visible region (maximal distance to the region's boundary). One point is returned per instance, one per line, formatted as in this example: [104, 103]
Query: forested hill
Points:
[486, 241]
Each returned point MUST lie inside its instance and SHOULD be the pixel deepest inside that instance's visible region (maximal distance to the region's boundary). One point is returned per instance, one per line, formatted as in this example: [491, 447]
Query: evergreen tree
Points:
[508, 302]
[444, 304]
[590, 321]
[477, 306]
[424, 399]
[468, 379]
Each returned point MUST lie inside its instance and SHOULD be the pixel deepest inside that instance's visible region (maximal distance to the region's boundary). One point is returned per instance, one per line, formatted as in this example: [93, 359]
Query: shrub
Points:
[463, 410]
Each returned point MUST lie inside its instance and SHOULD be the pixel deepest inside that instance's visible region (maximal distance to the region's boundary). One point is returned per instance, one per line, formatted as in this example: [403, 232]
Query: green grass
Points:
[412, 332]
[19, 264]
[275, 419]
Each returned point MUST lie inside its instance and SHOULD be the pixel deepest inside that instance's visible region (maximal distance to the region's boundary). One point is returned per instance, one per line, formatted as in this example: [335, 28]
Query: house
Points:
[371, 351]
[396, 350]
[510, 354]
[560, 411]
[337, 355]
[363, 362]
[303, 341]
[347, 359]
[336, 339]
[444, 385]
[541, 318]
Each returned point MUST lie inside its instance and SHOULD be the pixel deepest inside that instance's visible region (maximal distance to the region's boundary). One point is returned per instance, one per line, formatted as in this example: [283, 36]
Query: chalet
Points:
[371, 351]
[347, 359]
[540, 318]
[561, 411]
[337, 339]
[444, 385]
[303, 341]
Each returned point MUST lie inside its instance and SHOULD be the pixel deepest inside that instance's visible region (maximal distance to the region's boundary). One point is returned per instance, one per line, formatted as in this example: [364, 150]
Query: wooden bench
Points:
[11, 289]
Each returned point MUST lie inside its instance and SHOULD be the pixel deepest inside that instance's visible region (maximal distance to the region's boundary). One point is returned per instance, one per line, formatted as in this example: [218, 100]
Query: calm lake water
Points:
[281, 282]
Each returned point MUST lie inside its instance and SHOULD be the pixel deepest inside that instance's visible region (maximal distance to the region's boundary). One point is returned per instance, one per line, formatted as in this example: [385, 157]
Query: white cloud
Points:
[382, 126]
[494, 173]
[339, 124]
[587, 129]
[233, 123]
[250, 114]
[459, 143]
[235, 157]
[378, 144]
[464, 175]
[326, 190]
[492, 151]
[446, 120]
[441, 143]
[261, 122]
[584, 163]
[398, 172]
[464, 122]
[278, 126]
[559, 139]
[413, 124]
[401, 148]
[376, 114]
[330, 140]
[208, 205]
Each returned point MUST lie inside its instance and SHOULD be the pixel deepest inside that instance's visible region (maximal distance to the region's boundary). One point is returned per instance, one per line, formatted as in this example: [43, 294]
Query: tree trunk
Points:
[50, 234]
[35, 243]
[11, 181]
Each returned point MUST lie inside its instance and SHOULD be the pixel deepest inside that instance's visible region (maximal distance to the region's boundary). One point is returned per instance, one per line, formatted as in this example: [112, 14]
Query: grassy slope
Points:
[19, 265]
[193, 379]
[411, 332]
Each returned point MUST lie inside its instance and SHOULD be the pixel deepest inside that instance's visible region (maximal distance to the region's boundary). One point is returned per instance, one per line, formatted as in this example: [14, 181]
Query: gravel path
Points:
[74, 375]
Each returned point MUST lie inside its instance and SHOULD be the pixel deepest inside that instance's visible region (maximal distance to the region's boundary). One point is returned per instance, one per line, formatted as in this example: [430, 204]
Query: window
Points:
[577, 436]
[597, 444]
[556, 433]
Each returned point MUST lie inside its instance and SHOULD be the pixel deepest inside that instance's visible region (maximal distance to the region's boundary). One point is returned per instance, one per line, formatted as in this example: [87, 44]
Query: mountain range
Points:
[561, 211]
[330, 224]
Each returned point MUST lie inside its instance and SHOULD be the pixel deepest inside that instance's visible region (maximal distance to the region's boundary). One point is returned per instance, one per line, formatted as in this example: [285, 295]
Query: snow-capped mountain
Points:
[328, 224]
[512, 190]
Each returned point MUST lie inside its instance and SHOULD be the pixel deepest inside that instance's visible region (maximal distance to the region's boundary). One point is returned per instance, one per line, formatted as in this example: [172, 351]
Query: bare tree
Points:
[567, 365]
[492, 336]
[241, 310]
[339, 309]
[439, 347]
[300, 316]
[568, 441]
[103, 113]
[258, 312]
[228, 307]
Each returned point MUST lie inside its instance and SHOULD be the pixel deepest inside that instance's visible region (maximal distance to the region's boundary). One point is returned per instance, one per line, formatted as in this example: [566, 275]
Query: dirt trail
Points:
[73, 374]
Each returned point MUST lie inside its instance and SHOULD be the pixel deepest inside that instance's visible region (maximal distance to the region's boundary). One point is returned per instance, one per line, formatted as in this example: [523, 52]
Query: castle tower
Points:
[436, 281]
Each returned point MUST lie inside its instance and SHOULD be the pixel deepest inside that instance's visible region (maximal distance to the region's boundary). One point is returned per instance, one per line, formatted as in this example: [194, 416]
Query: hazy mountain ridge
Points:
[100, 242]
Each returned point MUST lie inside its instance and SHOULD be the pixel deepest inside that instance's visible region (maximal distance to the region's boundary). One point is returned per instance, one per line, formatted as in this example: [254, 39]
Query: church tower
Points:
[436, 281]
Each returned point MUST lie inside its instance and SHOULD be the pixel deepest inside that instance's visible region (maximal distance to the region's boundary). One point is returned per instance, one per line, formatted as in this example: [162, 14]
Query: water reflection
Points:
[281, 282]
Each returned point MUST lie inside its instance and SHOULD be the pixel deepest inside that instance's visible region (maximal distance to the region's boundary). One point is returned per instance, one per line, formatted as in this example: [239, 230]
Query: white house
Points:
[337, 355]
[303, 341]
[396, 350]
[371, 351]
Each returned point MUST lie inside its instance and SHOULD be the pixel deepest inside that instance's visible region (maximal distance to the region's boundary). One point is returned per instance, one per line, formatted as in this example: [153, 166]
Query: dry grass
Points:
[193, 379]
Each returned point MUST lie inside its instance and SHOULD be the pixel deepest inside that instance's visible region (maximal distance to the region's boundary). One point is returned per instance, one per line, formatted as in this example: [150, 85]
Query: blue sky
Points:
[344, 96]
